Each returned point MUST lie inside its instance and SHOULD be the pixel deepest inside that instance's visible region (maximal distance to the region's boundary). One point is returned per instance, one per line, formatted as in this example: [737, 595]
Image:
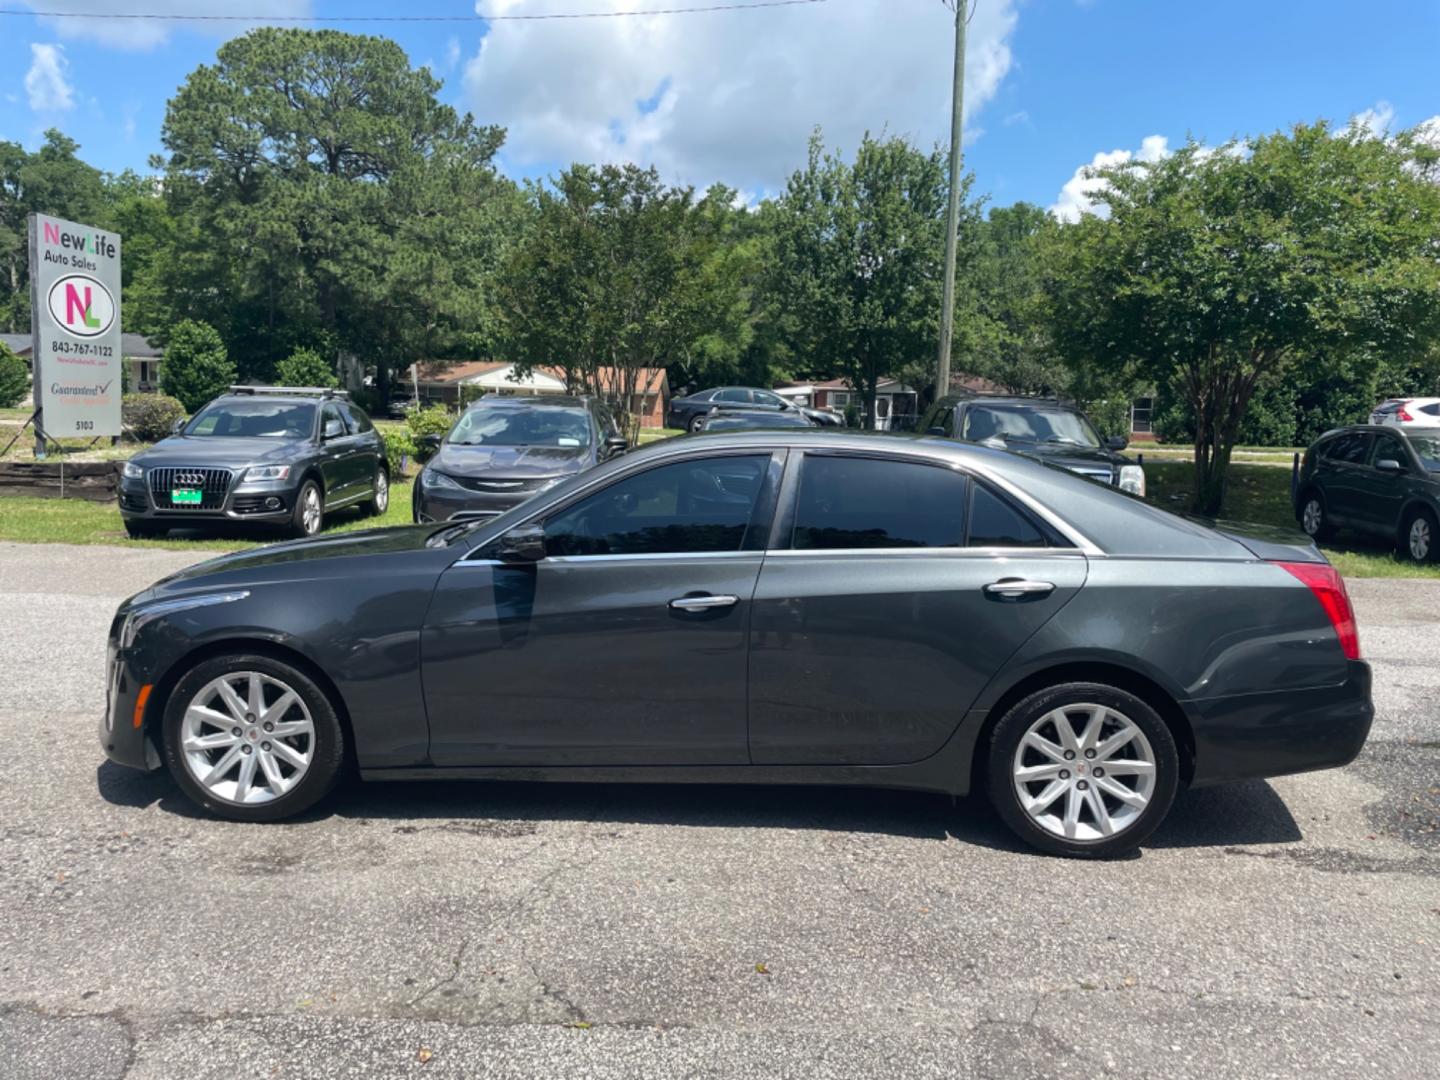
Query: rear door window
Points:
[857, 502]
[994, 522]
[1349, 449]
[734, 396]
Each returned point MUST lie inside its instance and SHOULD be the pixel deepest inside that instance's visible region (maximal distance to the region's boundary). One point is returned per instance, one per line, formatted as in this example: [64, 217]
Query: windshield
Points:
[1026, 423]
[512, 426]
[255, 419]
[1428, 447]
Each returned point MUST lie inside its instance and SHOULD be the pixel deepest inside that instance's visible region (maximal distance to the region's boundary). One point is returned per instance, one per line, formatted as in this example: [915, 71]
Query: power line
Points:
[156, 16]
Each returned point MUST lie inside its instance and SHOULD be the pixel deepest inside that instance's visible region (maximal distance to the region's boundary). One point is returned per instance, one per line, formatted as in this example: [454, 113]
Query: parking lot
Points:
[1268, 930]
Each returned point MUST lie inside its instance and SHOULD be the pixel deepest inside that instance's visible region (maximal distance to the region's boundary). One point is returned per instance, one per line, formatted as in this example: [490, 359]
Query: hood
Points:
[518, 462]
[1273, 543]
[283, 560]
[1067, 455]
[220, 451]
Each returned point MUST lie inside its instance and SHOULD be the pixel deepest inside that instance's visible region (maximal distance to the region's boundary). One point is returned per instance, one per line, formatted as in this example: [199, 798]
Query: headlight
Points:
[268, 472]
[433, 478]
[1132, 479]
[131, 471]
[138, 617]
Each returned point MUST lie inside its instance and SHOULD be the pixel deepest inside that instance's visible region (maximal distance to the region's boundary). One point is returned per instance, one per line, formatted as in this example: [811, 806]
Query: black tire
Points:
[377, 506]
[141, 530]
[327, 753]
[298, 527]
[1005, 741]
[697, 422]
[1317, 525]
[1420, 536]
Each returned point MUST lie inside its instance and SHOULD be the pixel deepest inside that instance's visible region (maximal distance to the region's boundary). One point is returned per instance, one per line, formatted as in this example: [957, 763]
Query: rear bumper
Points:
[1257, 735]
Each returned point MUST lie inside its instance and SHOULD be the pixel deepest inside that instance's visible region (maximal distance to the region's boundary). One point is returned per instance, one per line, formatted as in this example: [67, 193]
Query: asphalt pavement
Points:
[1288, 928]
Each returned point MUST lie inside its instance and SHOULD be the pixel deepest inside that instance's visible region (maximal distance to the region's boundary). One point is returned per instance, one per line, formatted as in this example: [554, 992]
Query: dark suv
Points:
[1046, 430]
[504, 450]
[1375, 480]
[282, 456]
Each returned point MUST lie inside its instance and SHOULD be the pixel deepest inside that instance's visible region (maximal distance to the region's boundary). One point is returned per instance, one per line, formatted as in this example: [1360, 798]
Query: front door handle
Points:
[1016, 588]
[702, 603]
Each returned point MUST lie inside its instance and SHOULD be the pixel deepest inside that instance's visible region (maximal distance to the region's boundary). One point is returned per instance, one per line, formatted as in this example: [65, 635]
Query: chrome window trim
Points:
[933, 552]
[636, 557]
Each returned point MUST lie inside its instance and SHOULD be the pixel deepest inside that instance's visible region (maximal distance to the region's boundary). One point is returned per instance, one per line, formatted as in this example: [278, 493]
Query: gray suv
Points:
[278, 456]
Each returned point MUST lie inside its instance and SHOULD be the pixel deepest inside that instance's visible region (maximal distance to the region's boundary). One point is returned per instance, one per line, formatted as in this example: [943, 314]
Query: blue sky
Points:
[732, 97]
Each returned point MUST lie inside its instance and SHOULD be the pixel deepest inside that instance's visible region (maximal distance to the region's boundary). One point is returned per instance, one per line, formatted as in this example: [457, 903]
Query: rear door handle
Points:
[1015, 588]
[703, 603]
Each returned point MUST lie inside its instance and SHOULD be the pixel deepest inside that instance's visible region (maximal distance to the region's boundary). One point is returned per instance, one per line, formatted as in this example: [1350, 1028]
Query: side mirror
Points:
[616, 444]
[1389, 465]
[1117, 443]
[333, 430]
[428, 442]
[178, 426]
[935, 431]
[522, 544]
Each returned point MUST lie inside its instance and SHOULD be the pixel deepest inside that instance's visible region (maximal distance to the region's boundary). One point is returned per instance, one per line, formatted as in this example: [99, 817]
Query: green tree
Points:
[196, 368]
[323, 193]
[305, 367]
[1217, 273]
[14, 378]
[859, 251]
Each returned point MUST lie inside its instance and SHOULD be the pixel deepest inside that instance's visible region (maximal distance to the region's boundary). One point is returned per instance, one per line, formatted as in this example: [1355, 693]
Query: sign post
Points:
[76, 355]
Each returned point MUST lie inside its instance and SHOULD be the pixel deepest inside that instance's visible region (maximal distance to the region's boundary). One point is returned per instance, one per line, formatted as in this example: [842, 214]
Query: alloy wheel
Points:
[382, 492]
[1420, 538]
[310, 511]
[1312, 517]
[247, 738]
[1084, 772]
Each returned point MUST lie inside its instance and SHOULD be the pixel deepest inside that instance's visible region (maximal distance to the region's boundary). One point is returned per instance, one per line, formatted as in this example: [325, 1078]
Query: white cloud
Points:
[1021, 117]
[452, 52]
[45, 83]
[1374, 121]
[1080, 193]
[147, 33]
[726, 96]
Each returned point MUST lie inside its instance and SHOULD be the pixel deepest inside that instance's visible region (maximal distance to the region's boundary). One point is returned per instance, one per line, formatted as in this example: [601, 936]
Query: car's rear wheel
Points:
[251, 738]
[1313, 518]
[1419, 536]
[1083, 769]
[380, 502]
[697, 422]
[308, 517]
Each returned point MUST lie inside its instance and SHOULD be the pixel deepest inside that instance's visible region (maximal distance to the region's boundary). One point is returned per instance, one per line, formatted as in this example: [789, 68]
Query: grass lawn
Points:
[75, 521]
[1261, 493]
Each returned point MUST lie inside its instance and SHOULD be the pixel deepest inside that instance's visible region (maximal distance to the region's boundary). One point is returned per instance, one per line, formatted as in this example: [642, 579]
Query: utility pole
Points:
[952, 219]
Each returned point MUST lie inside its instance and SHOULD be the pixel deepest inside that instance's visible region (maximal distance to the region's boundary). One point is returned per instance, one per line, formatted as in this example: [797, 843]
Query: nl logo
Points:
[81, 306]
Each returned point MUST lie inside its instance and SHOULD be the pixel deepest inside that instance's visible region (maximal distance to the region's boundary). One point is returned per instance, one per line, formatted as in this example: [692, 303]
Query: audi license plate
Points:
[185, 497]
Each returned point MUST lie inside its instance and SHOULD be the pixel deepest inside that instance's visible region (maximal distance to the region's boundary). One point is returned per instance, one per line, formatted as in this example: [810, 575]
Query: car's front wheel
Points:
[1083, 769]
[1419, 537]
[251, 738]
[309, 516]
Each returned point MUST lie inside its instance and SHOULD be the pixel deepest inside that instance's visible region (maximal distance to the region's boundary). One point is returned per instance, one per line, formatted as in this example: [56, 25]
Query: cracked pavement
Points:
[512, 930]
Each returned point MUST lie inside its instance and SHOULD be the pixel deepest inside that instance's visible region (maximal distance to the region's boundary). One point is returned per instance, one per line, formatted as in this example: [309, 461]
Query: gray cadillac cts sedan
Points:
[768, 606]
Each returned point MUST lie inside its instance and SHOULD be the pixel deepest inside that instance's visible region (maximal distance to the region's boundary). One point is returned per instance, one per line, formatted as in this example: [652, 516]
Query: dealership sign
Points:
[75, 317]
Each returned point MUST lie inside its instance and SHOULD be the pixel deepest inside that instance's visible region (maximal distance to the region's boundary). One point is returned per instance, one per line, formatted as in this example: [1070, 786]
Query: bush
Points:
[150, 417]
[398, 446]
[436, 420]
[305, 367]
[14, 378]
[196, 369]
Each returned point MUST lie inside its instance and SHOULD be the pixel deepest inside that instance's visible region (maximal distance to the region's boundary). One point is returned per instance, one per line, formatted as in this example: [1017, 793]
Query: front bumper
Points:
[124, 740]
[438, 504]
[1248, 736]
[264, 501]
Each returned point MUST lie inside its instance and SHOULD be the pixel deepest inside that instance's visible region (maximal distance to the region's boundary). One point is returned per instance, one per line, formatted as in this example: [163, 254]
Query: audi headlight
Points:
[131, 471]
[1132, 479]
[268, 472]
[433, 478]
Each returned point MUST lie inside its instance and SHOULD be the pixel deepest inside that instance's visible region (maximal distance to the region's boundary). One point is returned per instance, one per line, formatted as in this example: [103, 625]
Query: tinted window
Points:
[702, 505]
[329, 413]
[764, 397]
[521, 425]
[1427, 447]
[1351, 448]
[995, 523]
[1027, 423]
[1387, 447]
[1430, 410]
[733, 395]
[868, 503]
[358, 420]
[255, 419]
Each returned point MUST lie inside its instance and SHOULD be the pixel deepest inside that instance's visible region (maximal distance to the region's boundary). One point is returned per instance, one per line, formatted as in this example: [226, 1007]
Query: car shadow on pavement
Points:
[1245, 813]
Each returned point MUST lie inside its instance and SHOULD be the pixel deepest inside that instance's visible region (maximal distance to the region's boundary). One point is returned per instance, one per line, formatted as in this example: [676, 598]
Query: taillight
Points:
[1329, 588]
[1403, 416]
